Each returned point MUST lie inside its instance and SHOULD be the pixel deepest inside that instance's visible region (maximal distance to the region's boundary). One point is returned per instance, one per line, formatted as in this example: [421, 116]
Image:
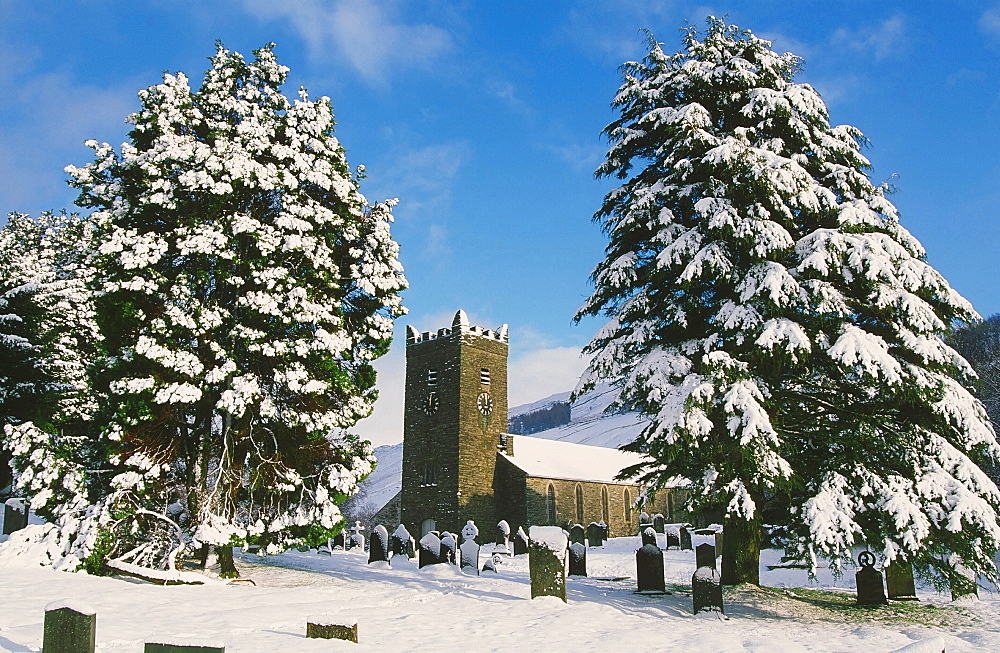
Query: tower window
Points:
[550, 504]
[628, 507]
[430, 474]
[484, 376]
[579, 503]
[432, 377]
[605, 513]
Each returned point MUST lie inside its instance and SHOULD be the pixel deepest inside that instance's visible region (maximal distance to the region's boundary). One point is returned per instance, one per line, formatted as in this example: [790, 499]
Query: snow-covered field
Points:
[439, 608]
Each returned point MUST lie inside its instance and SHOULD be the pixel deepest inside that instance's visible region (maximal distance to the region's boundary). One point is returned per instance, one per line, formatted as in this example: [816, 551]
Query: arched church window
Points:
[605, 512]
[579, 503]
[550, 504]
[628, 507]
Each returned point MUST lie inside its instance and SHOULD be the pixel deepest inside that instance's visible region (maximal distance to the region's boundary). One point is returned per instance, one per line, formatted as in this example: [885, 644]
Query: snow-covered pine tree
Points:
[49, 309]
[777, 324]
[245, 287]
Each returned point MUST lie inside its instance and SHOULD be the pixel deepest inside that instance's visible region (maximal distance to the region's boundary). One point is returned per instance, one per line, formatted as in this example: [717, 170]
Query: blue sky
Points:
[485, 120]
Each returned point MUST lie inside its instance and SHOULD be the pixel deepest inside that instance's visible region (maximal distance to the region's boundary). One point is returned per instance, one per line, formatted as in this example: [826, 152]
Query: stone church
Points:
[459, 463]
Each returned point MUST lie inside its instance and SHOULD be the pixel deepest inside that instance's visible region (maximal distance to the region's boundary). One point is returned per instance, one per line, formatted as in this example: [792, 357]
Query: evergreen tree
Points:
[777, 324]
[50, 327]
[244, 287]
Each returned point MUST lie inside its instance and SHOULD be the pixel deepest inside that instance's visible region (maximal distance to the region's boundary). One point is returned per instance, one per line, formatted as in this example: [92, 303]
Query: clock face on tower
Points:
[485, 404]
[431, 403]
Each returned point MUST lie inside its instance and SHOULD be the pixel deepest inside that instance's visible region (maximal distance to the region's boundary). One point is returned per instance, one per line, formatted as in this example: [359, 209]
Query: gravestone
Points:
[324, 627]
[547, 561]
[577, 535]
[15, 515]
[70, 627]
[449, 548]
[503, 538]
[520, 542]
[648, 536]
[685, 534]
[378, 548]
[706, 588]
[493, 563]
[644, 521]
[577, 559]
[649, 566]
[704, 556]
[182, 646]
[429, 552]
[716, 540]
[356, 540]
[339, 540]
[470, 548]
[659, 523]
[899, 583]
[871, 591]
[595, 534]
[401, 543]
[673, 534]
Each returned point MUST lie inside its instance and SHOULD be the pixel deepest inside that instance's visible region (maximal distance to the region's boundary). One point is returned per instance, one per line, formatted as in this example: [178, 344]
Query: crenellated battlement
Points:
[460, 325]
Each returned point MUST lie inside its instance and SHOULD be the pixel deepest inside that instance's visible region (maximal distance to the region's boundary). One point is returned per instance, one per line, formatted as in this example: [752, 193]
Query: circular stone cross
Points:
[866, 559]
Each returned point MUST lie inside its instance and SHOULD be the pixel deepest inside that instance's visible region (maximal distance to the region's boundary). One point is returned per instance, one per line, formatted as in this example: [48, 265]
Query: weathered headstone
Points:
[547, 561]
[704, 556]
[673, 534]
[595, 534]
[706, 589]
[577, 534]
[324, 627]
[449, 548]
[378, 547]
[493, 563]
[577, 559]
[401, 543]
[429, 552]
[899, 583]
[607, 530]
[659, 523]
[182, 645]
[520, 542]
[871, 591]
[644, 521]
[685, 533]
[70, 627]
[649, 566]
[356, 540]
[648, 535]
[340, 540]
[470, 548]
[15, 515]
[715, 538]
[503, 538]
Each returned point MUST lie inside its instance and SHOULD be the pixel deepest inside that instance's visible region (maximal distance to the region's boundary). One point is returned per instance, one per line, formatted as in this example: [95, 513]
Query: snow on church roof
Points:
[567, 461]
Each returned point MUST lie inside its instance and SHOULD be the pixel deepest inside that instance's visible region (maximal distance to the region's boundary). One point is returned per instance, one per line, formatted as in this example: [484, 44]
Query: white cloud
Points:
[989, 23]
[368, 34]
[539, 373]
[885, 39]
[48, 119]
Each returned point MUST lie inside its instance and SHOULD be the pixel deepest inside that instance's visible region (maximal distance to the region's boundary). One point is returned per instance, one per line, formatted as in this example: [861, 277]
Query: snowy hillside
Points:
[589, 424]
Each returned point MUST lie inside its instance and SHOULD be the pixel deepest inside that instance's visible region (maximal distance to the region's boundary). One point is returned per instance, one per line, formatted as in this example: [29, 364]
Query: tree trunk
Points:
[961, 579]
[741, 551]
[227, 566]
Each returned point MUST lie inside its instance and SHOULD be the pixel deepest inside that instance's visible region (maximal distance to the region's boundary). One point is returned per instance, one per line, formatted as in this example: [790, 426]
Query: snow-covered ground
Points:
[439, 608]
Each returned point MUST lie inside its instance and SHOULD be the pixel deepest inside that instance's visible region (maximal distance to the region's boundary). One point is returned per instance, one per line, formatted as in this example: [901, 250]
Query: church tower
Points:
[455, 412]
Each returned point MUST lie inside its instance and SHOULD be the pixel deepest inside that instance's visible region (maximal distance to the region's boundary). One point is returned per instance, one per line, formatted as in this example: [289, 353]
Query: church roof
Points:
[568, 461]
